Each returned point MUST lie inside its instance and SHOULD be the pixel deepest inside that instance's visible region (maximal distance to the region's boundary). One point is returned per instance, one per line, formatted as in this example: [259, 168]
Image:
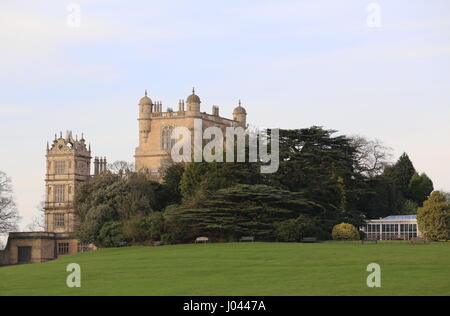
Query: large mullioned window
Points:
[60, 167]
[60, 193]
[166, 138]
[58, 220]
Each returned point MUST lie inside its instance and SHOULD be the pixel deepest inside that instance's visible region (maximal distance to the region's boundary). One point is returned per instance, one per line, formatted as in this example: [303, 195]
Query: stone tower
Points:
[68, 165]
[146, 108]
[156, 127]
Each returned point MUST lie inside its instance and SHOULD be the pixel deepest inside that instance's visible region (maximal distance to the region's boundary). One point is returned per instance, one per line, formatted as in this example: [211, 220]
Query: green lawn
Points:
[261, 269]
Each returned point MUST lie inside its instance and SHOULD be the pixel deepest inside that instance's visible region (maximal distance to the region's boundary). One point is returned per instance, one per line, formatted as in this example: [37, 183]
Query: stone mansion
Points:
[156, 126]
[69, 165]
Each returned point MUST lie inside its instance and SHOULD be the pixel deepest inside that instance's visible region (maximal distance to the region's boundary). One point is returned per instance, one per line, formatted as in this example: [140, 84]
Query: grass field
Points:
[260, 269]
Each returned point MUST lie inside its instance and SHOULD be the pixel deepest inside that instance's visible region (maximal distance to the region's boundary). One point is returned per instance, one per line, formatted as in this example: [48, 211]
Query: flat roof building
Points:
[401, 227]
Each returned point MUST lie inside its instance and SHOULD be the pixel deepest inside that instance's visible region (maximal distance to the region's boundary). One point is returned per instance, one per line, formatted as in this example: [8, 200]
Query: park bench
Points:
[310, 240]
[369, 241]
[121, 244]
[247, 239]
[202, 240]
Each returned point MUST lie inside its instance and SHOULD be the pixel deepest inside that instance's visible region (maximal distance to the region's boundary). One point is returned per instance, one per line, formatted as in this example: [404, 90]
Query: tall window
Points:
[60, 167]
[58, 220]
[166, 138]
[60, 193]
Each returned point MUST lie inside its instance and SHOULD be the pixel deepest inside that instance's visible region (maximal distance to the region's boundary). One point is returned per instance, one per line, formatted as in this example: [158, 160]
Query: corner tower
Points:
[240, 115]
[68, 165]
[145, 116]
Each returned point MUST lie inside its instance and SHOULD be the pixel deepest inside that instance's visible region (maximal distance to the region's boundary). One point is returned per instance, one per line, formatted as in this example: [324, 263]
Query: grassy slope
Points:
[260, 269]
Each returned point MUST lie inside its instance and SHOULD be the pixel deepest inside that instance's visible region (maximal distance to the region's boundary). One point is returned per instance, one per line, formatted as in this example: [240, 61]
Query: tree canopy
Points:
[323, 179]
[434, 217]
[110, 197]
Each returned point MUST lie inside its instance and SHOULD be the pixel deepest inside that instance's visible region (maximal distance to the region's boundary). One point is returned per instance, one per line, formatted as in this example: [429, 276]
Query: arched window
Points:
[166, 138]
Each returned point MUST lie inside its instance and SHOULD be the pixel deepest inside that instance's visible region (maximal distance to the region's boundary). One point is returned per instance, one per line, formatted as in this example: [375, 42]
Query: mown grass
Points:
[260, 269]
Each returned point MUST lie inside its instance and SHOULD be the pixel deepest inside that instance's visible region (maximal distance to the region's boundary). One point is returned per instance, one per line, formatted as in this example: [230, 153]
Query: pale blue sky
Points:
[293, 63]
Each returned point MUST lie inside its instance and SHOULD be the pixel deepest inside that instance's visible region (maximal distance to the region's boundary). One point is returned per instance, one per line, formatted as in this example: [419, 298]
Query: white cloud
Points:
[13, 110]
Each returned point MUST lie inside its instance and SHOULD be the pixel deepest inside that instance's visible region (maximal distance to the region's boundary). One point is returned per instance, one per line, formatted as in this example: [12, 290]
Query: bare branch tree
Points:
[2, 242]
[38, 222]
[372, 155]
[9, 217]
[121, 167]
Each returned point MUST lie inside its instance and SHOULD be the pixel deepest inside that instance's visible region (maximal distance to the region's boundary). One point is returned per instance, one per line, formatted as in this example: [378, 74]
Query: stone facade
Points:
[68, 165]
[156, 125]
[37, 247]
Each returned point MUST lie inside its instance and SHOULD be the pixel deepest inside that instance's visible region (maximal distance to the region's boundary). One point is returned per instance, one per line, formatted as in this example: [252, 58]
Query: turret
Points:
[240, 115]
[145, 116]
[68, 165]
[193, 102]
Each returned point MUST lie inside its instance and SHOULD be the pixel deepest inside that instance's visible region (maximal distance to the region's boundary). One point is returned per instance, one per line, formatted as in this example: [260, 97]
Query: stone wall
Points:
[44, 247]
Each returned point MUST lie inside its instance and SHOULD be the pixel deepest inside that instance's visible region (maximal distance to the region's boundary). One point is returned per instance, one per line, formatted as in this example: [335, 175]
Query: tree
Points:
[109, 197]
[321, 166]
[399, 190]
[38, 222]
[240, 210]
[345, 231]
[9, 217]
[172, 180]
[434, 217]
[409, 208]
[372, 156]
[121, 167]
[381, 198]
[447, 196]
[401, 173]
[202, 179]
[111, 234]
[150, 228]
[420, 188]
[294, 230]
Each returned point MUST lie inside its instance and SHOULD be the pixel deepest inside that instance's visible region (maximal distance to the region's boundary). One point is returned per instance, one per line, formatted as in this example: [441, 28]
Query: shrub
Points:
[434, 217]
[177, 232]
[148, 228]
[294, 230]
[111, 234]
[345, 231]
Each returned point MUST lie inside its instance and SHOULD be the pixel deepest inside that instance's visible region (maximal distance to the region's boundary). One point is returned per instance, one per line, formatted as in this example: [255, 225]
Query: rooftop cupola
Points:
[146, 100]
[240, 115]
[146, 104]
[193, 102]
